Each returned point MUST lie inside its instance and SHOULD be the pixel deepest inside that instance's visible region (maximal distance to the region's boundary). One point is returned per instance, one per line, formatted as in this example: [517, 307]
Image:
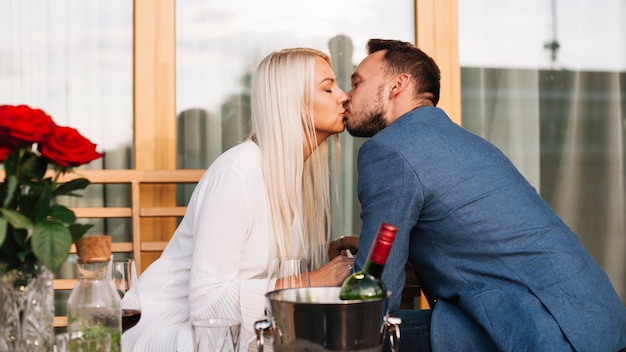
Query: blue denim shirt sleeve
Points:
[388, 191]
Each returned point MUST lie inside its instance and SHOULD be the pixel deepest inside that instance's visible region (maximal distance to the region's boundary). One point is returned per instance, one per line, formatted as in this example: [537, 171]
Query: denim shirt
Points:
[482, 240]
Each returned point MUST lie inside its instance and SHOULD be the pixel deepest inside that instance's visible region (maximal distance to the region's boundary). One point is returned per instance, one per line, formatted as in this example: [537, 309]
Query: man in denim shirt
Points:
[504, 270]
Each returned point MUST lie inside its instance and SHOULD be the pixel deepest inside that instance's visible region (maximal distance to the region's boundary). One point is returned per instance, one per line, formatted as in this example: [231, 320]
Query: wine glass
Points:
[124, 275]
[215, 334]
[288, 272]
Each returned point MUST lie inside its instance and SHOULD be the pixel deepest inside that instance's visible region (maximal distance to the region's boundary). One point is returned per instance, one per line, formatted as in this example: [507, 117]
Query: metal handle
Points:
[392, 327]
[262, 328]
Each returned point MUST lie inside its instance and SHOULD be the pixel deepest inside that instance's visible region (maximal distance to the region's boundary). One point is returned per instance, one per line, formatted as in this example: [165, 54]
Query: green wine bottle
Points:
[366, 284]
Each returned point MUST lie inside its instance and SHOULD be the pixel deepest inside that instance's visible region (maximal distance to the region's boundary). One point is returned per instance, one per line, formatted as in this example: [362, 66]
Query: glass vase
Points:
[26, 309]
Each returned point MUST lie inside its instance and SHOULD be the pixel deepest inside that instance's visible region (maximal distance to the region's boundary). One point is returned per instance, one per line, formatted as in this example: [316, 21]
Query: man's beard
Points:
[369, 126]
[370, 122]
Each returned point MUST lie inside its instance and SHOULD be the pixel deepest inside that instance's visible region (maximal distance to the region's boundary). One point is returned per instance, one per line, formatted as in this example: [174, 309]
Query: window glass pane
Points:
[219, 44]
[72, 59]
[546, 82]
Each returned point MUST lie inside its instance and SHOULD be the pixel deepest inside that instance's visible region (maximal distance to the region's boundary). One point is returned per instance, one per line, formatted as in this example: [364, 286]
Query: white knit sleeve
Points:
[222, 225]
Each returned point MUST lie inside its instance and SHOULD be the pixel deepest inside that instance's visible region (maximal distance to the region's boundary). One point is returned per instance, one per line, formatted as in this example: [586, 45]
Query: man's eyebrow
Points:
[355, 75]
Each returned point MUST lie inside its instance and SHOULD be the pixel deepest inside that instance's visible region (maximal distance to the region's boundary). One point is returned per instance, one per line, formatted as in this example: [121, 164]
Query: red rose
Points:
[7, 144]
[24, 125]
[68, 148]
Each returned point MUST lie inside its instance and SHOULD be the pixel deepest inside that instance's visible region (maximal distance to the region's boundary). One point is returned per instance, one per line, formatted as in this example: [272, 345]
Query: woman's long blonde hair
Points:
[282, 122]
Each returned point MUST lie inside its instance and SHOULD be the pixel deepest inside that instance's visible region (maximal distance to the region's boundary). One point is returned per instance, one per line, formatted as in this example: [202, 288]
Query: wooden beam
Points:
[154, 69]
[436, 32]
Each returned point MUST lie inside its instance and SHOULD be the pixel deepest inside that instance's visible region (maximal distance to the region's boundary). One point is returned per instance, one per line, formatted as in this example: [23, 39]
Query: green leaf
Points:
[10, 163]
[21, 255]
[16, 219]
[73, 185]
[12, 184]
[3, 230]
[18, 237]
[33, 166]
[41, 167]
[36, 185]
[41, 209]
[51, 243]
[78, 230]
[62, 213]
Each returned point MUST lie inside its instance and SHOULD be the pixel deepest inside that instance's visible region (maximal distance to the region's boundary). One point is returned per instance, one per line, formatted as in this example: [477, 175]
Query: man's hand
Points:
[342, 244]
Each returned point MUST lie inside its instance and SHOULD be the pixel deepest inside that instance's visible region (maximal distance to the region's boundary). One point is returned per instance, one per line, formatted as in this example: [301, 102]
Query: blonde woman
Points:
[265, 197]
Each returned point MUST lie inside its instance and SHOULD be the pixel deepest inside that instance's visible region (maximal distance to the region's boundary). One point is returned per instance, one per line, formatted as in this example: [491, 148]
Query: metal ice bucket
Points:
[315, 319]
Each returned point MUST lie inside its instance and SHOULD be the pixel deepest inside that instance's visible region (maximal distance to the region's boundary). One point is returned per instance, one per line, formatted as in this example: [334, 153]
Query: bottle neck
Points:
[377, 256]
[93, 271]
[374, 269]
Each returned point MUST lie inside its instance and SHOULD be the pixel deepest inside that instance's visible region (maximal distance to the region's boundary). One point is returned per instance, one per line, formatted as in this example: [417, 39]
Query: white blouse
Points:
[215, 264]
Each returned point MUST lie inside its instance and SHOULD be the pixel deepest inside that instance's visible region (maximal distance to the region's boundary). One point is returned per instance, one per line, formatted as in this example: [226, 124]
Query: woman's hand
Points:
[333, 273]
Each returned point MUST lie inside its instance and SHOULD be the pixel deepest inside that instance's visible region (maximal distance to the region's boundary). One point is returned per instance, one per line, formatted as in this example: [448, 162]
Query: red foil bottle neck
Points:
[382, 244]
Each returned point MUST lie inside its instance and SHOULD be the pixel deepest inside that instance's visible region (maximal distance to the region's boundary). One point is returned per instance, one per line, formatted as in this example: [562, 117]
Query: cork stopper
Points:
[94, 249]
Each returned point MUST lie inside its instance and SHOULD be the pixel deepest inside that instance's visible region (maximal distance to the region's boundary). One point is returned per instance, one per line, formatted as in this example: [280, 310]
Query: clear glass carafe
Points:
[93, 307]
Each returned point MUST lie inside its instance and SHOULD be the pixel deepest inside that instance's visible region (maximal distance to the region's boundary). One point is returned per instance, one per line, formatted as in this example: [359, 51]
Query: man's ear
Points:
[400, 84]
